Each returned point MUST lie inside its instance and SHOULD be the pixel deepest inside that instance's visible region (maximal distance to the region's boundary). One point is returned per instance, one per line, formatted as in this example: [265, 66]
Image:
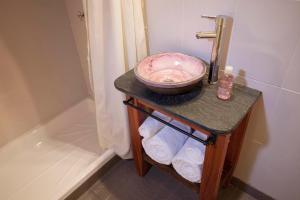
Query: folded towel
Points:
[151, 126]
[188, 161]
[163, 146]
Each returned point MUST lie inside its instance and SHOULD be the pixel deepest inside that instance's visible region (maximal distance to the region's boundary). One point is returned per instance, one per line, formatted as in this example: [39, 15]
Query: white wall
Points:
[80, 36]
[265, 51]
[40, 73]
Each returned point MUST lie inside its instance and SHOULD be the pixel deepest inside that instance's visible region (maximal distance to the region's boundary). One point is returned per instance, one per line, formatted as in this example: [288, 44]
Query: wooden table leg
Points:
[135, 119]
[234, 149]
[212, 168]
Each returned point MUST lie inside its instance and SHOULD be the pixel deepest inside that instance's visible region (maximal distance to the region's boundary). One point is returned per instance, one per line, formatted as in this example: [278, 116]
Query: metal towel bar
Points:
[210, 140]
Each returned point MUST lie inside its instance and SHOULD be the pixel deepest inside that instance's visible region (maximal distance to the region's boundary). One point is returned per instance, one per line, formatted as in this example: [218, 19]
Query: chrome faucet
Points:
[221, 37]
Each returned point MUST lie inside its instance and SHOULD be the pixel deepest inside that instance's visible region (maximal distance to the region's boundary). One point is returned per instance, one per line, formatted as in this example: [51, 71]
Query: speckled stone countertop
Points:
[200, 107]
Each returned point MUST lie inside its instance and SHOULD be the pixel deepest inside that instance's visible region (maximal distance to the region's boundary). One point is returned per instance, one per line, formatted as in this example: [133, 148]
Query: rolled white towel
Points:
[163, 146]
[151, 126]
[188, 161]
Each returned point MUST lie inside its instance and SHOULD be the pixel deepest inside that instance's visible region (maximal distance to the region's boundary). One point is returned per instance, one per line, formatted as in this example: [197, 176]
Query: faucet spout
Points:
[220, 45]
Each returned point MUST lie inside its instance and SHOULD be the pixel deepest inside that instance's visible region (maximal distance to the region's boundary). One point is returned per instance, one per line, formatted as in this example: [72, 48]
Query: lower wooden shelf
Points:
[170, 170]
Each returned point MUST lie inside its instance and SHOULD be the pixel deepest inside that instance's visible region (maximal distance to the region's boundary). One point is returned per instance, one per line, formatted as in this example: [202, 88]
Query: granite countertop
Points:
[200, 107]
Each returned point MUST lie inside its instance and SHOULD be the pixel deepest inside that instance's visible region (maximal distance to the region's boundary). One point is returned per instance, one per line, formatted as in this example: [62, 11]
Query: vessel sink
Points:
[170, 73]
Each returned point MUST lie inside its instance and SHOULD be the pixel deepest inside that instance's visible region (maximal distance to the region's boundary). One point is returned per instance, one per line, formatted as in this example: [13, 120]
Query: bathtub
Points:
[53, 159]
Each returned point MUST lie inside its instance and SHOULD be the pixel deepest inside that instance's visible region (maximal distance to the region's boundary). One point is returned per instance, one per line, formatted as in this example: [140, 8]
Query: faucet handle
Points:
[209, 17]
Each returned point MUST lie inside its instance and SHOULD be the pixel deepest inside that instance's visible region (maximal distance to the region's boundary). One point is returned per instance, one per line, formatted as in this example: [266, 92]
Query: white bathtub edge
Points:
[92, 168]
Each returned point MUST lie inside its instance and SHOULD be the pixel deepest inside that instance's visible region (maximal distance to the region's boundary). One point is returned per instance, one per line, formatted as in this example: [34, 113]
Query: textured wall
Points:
[265, 51]
[40, 73]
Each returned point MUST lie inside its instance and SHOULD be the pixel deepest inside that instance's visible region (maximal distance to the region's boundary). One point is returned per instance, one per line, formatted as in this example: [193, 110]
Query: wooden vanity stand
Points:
[201, 110]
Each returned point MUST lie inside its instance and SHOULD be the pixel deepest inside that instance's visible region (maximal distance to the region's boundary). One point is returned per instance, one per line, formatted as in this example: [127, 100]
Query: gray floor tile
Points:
[89, 195]
[122, 183]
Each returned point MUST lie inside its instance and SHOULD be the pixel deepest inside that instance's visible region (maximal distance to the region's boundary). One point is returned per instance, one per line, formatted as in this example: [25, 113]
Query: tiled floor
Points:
[122, 183]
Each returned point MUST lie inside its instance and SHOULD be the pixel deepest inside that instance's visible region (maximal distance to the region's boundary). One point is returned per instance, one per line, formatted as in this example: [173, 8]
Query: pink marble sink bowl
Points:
[170, 73]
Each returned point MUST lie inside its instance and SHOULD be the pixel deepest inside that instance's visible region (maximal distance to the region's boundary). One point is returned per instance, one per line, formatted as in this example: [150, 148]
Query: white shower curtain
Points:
[116, 42]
